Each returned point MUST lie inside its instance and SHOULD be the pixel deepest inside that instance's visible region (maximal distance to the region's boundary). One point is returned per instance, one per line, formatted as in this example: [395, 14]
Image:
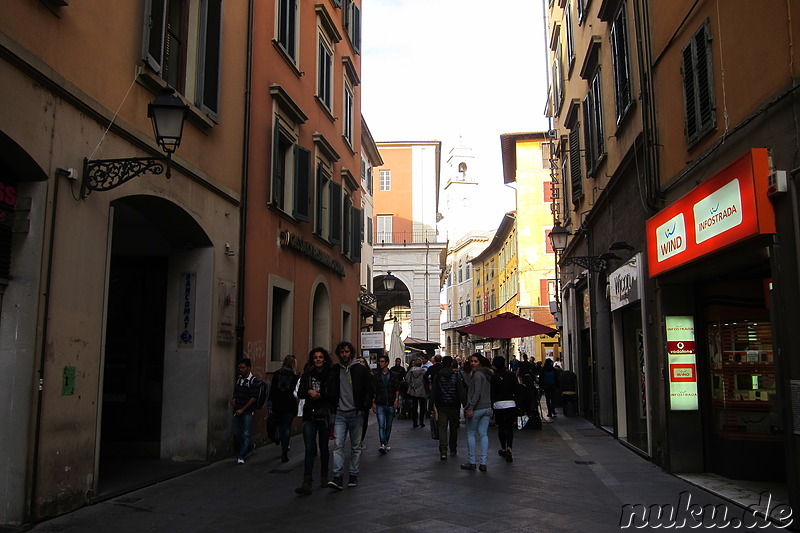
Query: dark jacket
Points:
[281, 392]
[504, 383]
[319, 381]
[385, 394]
[399, 370]
[245, 389]
[362, 386]
[448, 388]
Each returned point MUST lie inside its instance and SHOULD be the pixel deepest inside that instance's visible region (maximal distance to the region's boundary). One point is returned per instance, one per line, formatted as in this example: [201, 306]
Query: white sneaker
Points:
[382, 449]
[387, 447]
[239, 461]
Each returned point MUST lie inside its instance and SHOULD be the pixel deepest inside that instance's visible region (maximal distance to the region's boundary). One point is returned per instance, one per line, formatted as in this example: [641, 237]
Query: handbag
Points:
[434, 428]
[320, 412]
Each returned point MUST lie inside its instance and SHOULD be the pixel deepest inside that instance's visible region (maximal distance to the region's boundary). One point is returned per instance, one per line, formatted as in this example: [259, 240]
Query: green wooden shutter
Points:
[302, 183]
[336, 213]
[357, 233]
[277, 168]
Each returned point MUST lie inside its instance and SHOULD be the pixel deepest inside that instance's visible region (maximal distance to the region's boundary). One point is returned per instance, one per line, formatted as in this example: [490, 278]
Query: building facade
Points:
[683, 169]
[527, 161]
[407, 241]
[305, 218]
[117, 332]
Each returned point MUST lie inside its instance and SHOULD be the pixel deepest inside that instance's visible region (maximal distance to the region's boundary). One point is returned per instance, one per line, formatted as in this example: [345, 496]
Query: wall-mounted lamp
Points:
[620, 245]
[593, 263]
[168, 113]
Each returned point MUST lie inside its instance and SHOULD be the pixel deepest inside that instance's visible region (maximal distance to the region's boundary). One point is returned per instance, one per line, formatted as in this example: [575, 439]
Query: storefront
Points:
[630, 354]
[709, 255]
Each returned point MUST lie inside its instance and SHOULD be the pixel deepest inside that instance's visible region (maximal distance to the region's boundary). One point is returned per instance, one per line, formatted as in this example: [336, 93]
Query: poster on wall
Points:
[682, 358]
[186, 325]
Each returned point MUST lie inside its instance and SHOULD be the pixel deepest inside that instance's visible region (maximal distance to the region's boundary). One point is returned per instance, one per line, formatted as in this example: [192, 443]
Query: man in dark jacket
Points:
[447, 395]
[351, 387]
[387, 400]
[243, 403]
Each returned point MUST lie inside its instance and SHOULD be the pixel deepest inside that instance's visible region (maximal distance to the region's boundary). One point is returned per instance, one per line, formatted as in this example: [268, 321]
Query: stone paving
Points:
[568, 477]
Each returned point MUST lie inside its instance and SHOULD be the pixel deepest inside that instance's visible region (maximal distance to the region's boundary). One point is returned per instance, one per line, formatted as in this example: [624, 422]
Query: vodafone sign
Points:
[682, 359]
[729, 207]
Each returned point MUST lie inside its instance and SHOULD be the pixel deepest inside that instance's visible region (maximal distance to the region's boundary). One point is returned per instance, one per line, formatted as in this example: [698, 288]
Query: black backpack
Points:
[263, 392]
[284, 382]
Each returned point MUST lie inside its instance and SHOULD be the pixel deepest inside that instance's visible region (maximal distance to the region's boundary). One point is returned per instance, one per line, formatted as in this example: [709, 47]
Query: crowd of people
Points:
[335, 399]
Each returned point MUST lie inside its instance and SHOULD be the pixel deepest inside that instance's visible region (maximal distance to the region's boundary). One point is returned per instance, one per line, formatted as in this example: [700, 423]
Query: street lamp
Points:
[558, 237]
[168, 114]
[389, 281]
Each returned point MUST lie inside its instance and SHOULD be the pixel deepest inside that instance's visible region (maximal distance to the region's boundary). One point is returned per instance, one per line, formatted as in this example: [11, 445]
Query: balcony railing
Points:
[406, 237]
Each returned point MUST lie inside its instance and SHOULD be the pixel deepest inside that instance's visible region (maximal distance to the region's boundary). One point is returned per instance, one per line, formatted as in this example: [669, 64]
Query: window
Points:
[366, 175]
[619, 52]
[325, 73]
[580, 6]
[461, 309]
[698, 89]
[347, 113]
[478, 305]
[469, 271]
[460, 274]
[386, 180]
[576, 180]
[287, 28]
[469, 308]
[594, 139]
[352, 229]
[570, 36]
[335, 202]
[384, 228]
[291, 174]
[558, 80]
[369, 230]
[168, 40]
[281, 312]
[352, 24]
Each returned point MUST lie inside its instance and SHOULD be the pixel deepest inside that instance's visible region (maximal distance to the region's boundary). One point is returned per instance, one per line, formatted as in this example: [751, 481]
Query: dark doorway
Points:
[133, 377]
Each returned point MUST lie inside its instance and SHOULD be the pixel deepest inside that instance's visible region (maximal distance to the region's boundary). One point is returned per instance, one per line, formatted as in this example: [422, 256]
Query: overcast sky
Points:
[453, 70]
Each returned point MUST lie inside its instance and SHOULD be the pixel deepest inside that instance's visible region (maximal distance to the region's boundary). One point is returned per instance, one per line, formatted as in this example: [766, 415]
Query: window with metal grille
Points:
[698, 88]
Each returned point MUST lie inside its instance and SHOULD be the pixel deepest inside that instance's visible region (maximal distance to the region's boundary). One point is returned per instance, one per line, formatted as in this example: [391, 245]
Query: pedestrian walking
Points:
[417, 391]
[351, 392]
[447, 394]
[399, 369]
[478, 410]
[317, 413]
[282, 402]
[365, 423]
[243, 402]
[386, 402]
[503, 386]
[548, 379]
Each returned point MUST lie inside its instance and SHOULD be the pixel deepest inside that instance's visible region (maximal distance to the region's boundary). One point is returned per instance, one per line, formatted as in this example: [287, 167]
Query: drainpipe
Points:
[245, 180]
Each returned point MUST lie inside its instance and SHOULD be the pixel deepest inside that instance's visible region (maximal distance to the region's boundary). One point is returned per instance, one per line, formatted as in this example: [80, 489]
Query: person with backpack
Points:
[282, 402]
[447, 395]
[504, 384]
[548, 379]
[417, 391]
[386, 402]
[244, 404]
[317, 413]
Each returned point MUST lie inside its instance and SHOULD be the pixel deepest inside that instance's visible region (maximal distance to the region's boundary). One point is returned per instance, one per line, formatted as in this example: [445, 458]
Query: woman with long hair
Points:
[282, 403]
[478, 410]
[313, 388]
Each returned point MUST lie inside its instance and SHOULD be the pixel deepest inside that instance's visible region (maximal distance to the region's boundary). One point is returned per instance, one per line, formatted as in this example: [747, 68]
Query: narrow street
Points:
[569, 477]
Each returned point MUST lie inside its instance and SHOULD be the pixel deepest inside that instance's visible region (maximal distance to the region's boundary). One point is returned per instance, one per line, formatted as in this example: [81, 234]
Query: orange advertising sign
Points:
[729, 207]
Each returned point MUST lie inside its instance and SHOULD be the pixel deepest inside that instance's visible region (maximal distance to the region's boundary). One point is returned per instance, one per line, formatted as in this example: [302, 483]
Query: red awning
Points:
[507, 326]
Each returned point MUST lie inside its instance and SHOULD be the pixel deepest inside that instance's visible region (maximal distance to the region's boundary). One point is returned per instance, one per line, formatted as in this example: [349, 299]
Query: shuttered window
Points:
[302, 183]
[698, 89]
[576, 178]
[620, 55]
[336, 213]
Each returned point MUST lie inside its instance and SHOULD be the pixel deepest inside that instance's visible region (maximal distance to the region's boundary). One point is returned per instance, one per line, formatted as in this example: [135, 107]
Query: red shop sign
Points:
[729, 207]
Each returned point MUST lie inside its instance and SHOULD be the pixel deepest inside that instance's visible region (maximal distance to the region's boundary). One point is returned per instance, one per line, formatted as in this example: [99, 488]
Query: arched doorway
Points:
[157, 341]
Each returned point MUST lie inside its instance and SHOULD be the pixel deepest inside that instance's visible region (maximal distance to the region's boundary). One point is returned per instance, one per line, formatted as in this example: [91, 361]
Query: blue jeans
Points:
[285, 424]
[347, 423]
[385, 417]
[479, 423]
[313, 433]
[242, 425]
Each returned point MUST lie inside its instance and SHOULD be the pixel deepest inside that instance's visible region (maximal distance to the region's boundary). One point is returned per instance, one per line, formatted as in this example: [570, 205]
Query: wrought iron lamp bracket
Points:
[589, 262]
[107, 174]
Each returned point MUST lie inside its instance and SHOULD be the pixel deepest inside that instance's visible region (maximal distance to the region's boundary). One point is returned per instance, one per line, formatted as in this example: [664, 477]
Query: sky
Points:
[456, 71]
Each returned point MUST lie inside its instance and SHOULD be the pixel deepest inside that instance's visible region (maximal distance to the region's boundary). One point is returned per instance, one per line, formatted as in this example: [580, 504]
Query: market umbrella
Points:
[507, 326]
[396, 346]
